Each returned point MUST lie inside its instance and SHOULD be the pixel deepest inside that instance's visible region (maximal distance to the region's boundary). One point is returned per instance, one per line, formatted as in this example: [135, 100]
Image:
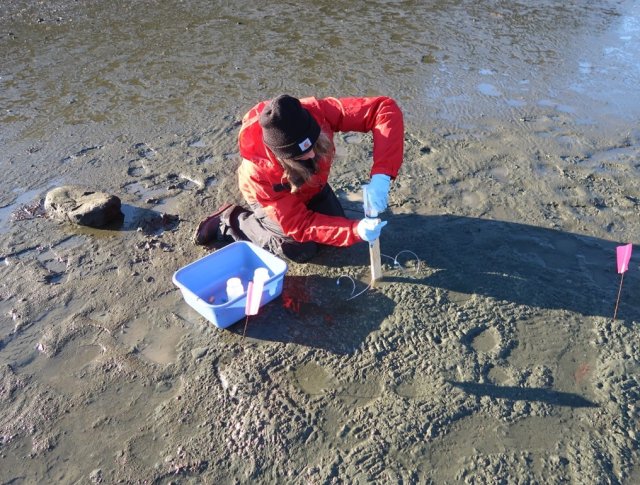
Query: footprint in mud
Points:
[312, 379]
[482, 339]
[67, 371]
[204, 159]
[499, 376]
[412, 389]
[474, 198]
[487, 340]
[338, 416]
[157, 345]
[356, 393]
[54, 260]
[146, 191]
[145, 450]
[459, 298]
[197, 143]
[136, 169]
[189, 182]
[144, 151]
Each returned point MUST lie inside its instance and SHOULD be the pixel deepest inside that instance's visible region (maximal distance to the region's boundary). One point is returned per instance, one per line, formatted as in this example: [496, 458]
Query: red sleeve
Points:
[379, 115]
[304, 225]
[291, 213]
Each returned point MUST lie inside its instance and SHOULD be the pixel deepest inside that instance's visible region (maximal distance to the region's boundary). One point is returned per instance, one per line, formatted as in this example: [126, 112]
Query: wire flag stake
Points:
[623, 256]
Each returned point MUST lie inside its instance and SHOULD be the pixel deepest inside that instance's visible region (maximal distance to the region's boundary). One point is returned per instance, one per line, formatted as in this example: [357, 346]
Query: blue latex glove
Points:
[369, 228]
[378, 192]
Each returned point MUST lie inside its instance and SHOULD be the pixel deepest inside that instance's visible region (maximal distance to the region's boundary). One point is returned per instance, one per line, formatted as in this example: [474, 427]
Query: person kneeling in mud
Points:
[287, 151]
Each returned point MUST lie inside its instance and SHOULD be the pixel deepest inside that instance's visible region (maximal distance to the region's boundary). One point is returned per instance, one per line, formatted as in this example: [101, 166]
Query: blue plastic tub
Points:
[203, 283]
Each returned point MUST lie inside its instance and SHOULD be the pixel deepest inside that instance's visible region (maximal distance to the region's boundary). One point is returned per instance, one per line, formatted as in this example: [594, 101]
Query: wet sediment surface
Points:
[495, 358]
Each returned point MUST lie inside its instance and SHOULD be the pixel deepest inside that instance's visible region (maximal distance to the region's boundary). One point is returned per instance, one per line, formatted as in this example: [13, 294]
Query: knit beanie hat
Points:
[288, 129]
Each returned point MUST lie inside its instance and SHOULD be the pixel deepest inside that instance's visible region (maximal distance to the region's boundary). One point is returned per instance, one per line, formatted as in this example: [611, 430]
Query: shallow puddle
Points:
[24, 197]
[145, 192]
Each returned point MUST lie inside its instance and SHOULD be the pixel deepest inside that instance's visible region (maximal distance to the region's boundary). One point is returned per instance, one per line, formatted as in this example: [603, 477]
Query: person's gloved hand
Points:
[369, 228]
[378, 192]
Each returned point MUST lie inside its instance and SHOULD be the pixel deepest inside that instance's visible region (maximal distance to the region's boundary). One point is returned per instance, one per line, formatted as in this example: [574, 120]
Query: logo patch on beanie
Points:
[305, 144]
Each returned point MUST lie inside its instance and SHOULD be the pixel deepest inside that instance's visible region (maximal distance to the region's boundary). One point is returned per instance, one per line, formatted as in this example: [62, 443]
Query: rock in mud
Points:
[83, 206]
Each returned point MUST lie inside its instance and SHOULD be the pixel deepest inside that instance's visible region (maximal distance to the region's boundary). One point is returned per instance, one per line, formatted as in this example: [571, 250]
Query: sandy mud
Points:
[488, 355]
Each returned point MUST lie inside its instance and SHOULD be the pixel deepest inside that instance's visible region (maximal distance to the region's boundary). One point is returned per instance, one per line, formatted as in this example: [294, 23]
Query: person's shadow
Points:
[507, 261]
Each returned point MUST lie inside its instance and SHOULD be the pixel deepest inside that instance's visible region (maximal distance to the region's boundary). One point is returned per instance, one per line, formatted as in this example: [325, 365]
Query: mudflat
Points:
[489, 353]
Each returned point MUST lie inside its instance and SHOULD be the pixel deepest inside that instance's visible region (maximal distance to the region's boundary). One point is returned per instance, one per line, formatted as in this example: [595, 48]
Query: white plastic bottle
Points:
[260, 274]
[234, 288]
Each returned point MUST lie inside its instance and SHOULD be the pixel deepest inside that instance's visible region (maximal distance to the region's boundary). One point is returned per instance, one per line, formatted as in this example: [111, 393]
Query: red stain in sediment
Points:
[296, 296]
[581, 372]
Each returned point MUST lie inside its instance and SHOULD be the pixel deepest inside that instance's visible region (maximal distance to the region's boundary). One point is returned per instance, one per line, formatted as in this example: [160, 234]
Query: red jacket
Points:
[260, 173]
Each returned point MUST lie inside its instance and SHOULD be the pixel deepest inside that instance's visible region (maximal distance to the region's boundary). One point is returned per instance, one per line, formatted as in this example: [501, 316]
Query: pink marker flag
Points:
[623, 254]
[254, 295]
